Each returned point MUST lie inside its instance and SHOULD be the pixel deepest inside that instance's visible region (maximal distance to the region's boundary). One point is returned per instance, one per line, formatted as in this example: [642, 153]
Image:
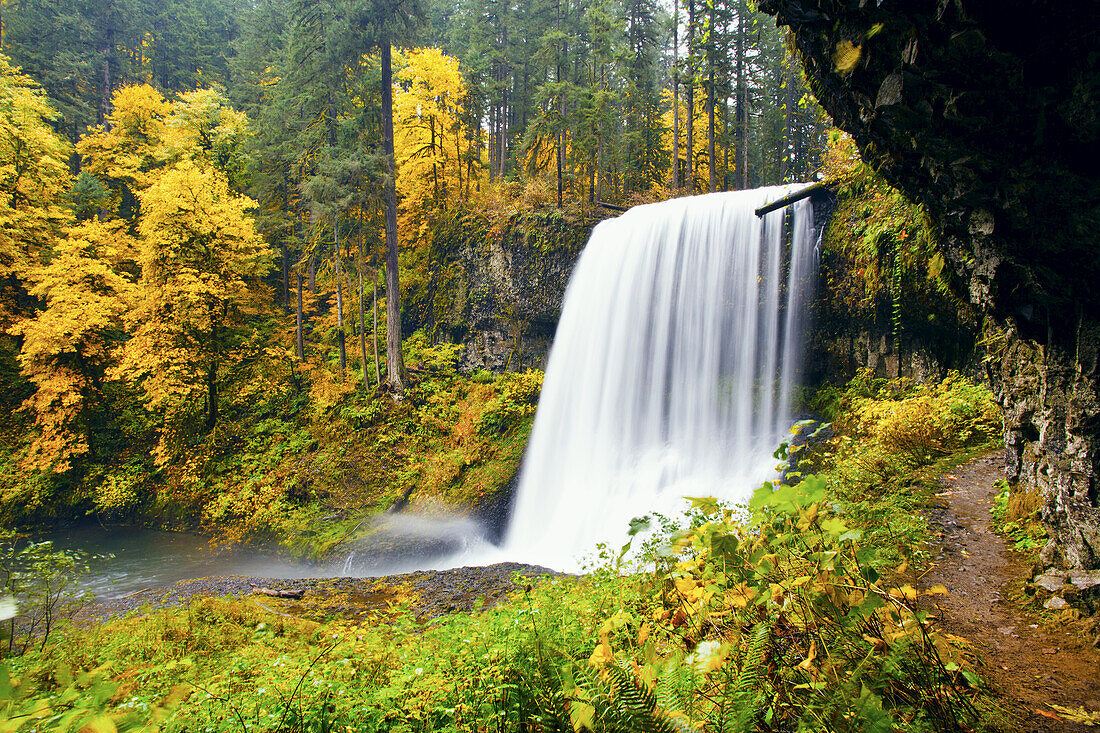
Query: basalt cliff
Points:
[989, 113]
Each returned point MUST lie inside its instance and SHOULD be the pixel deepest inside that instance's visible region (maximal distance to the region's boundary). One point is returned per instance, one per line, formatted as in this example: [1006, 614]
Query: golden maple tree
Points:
[131, 146]
[34, 176]
[431, 144]
[66, 346]
[201, 262]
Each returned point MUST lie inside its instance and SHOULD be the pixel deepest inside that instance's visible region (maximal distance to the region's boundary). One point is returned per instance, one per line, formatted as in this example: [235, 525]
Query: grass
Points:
[1016, 515]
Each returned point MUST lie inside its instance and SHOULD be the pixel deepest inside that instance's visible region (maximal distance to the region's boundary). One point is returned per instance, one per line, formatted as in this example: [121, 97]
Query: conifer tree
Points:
[383, 24]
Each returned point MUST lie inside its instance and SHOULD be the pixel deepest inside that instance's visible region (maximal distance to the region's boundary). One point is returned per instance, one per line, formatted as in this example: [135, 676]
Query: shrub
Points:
[919, 423]
[38, 585]
[1016, 515]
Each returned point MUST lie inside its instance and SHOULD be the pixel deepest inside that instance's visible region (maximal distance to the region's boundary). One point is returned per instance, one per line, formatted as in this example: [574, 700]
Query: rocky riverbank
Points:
[427, 594]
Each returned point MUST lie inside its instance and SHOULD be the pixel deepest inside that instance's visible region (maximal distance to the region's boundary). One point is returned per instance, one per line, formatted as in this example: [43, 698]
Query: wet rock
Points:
[1056, 603]
[504, 296]
[1084, 581]
[1085, 591]
[1051, 583]
[943, 103]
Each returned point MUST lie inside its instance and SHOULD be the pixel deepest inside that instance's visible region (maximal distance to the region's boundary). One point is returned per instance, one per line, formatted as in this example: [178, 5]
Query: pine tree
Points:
[383, 24]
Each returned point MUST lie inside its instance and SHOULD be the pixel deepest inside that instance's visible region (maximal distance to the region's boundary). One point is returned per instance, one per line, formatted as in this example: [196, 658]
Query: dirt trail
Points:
[1031, 665]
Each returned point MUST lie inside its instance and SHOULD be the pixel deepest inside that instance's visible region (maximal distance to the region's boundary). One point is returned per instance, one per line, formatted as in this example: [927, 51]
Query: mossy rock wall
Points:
[989, 115]
[506, 283]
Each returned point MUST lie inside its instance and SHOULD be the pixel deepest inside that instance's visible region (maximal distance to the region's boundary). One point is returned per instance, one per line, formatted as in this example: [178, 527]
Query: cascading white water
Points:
[671, 372]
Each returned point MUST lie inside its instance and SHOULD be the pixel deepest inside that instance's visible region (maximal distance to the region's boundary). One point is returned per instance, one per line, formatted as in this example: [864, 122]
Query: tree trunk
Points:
[313, 274]
[374, 307]
[395, 365]
[690, 175]
[788, 106]
[675, 94]
[298, 331]
[362, 316]
[562, 51]
[286, 277]
[212, 378]
[341, 337]
[712, 42]
[108, 49]
[712, 178]
[741, 153]
[286, 257]
[726, 180]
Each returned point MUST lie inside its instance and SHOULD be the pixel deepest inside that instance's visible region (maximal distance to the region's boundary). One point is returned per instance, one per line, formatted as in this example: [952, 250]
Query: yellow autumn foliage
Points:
[203, 125]
[129, 147]
[201, 259]
[698, 140]
[431, 145]
[34, 175]
[66, 346]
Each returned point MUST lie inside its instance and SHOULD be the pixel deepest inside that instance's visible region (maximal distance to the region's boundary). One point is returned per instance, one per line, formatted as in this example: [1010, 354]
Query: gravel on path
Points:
[1033, 664]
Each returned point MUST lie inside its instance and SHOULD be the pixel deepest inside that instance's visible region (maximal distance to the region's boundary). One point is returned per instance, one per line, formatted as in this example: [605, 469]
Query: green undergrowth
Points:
[1016, 515]
[798, 612]
[455, 440]
[894, 438]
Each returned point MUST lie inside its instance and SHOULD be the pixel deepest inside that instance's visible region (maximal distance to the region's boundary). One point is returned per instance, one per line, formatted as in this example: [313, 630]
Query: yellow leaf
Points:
[689, 588]
[739, 595]
[810, 656]
[906, 591]
[99, 724]
[846, 56]
[582, 715]
[602, 654]
[936, 590]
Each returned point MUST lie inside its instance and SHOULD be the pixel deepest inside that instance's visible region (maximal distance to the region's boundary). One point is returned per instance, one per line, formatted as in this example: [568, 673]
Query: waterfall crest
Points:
[671, 372]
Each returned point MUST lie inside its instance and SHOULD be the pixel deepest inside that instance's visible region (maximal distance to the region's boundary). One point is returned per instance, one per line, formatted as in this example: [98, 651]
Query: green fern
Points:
[624, 705]
[676, 679]
[748, 692]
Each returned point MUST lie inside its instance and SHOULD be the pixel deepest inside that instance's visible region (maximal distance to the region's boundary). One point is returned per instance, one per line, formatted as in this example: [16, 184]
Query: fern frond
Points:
[670, 687]
[624, 705]
[748, 692]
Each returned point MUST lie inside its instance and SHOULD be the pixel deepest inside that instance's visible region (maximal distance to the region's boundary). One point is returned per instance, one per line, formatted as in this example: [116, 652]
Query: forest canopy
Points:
[194, 228]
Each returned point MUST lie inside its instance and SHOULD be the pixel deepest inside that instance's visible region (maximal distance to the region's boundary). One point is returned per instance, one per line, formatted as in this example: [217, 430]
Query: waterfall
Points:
[671, 372]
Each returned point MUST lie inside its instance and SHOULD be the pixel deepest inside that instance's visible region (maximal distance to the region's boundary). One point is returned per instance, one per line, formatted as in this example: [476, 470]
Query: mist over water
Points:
[671, 372]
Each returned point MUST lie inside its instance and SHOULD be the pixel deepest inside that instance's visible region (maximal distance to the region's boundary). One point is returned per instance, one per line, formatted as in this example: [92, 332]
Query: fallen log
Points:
[612, 207]
[260, 591]
[135, 593]
[790, 199]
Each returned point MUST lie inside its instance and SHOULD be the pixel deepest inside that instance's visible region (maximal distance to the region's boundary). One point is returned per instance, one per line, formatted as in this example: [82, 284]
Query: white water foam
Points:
[671, 372]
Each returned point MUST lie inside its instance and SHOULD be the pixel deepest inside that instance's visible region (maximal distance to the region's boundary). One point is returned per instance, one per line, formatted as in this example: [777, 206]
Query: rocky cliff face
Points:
[507, 282]
[989, 114]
